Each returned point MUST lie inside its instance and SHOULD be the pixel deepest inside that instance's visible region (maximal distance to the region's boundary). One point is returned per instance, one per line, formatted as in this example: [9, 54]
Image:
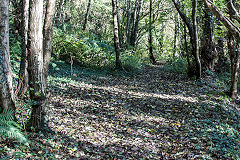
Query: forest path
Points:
[154, 114]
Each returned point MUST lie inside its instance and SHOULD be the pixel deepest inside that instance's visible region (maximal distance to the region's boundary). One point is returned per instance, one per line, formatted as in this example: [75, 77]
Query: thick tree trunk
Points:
[234, 58]
[47, 35]
[6, 90]
[208, 50]
[234, 31]
[115, 32]
[23, 73]
[150, 38]
[195, 39]
[87, 15]
[35, 65]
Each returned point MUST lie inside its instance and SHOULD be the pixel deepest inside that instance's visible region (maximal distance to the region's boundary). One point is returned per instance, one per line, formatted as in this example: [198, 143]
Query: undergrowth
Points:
[176, 65]
[85, 49]
[9, 128]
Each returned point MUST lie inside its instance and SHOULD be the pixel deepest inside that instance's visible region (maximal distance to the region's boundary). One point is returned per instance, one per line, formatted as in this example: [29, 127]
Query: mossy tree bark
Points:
[233, 37]
[35, 65]
[6, 90]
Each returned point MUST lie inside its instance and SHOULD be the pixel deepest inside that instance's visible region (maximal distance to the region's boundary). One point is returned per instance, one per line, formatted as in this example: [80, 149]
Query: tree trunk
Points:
[119, 29]
[186, 46]
[128, 23]
[231, 7]
[208, 50]
[115, 32]
[87, 15]
[228, 23]
[193, 33]
[35, 65]
[179, 35]
[221, 65]
[136, 17]
[195, 40]
[234, 32]
[23, 73]
[47, 35]
[175, 37]
[151, 56]
[234, 58]
[6, 90]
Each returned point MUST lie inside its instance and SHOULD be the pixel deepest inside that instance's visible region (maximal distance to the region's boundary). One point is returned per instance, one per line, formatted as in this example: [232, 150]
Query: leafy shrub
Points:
[131, 60]
[177, 65]
[84, 50]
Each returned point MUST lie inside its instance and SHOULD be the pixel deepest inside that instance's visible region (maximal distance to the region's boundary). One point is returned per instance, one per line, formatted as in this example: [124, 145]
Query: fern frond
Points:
[10, 128]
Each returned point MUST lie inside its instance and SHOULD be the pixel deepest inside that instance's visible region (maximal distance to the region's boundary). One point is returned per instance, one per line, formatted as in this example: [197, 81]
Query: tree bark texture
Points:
[119, 29]
[115, 32]
[193, 33]
[87, 15]
[35, 64]
[136, 18]
[195, 38]
[175, 36]
[233, 48]
[23, 73]
[128, 23]
[47, 35]
[6, 90]
[150, 38]
[208, 50]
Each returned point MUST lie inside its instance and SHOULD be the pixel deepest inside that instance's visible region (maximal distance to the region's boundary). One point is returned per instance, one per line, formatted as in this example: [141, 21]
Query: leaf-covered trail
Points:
[152, 115]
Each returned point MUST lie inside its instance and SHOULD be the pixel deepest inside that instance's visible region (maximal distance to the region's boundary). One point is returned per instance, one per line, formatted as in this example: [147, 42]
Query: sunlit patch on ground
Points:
[129, 118]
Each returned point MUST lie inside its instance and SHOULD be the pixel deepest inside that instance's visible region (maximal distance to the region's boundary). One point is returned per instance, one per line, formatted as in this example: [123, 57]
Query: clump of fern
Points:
[11, 129]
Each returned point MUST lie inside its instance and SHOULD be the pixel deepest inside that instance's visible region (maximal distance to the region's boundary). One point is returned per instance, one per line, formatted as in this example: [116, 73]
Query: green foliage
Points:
[82, 47]
[225, 77]
[9, 128]
[176, 65]
[85, 49]
[15, 47]
[132, 60]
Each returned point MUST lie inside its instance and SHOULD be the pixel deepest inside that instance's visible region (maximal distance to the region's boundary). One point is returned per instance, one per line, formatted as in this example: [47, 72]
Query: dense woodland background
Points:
[119, 79]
